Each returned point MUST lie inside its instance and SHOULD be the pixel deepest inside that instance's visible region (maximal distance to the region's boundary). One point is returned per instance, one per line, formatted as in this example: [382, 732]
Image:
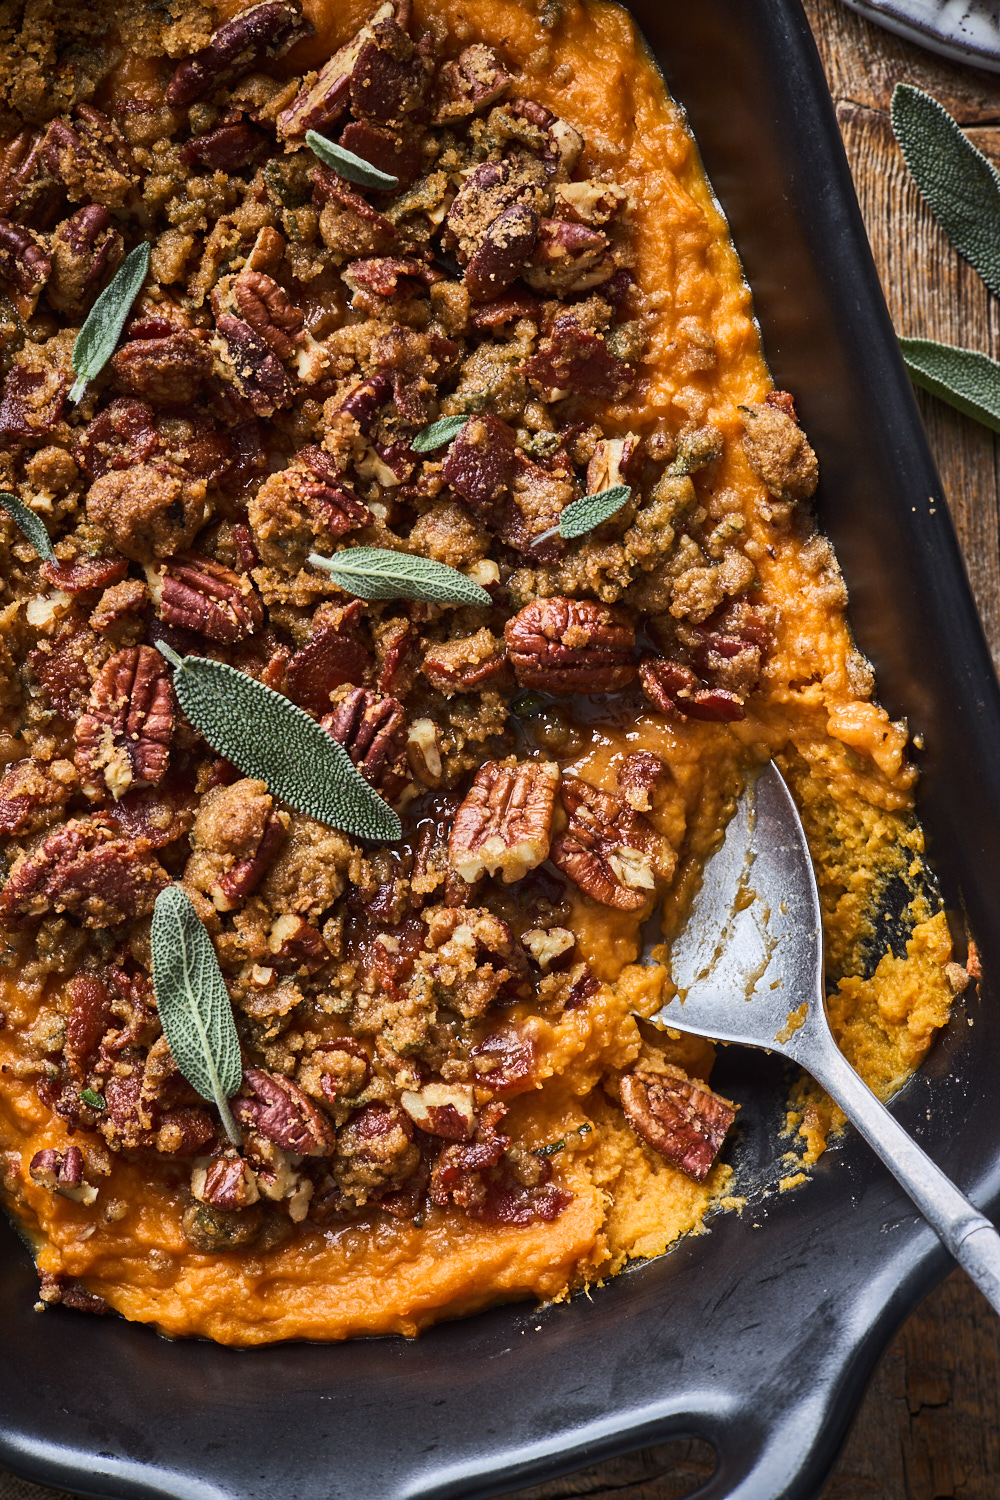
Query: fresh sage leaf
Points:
[966, 379]
[93, 1098]
[444, 430]
[354, 168]
[274, 740]
[582, 515]
[379, 573]
[29, 524]
[95, 343]
[961, 186]
[195, 1010]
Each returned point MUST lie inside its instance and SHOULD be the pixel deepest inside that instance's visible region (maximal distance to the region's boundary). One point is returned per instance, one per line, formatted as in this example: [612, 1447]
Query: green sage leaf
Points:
[444, 430]
[29, 524]
[582, 515]
[93, 1098]
[961, 186]
[194, 1005]
[95, 343]
[354, 168]
[274, 740]
[379, 573]
[966, 379]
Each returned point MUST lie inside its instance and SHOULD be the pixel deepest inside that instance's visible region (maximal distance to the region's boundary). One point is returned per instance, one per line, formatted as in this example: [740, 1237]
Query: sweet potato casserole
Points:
[361, 223]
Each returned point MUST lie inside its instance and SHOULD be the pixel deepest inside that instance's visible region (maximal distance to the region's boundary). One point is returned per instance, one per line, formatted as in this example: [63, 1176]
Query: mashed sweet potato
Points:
[699, 366]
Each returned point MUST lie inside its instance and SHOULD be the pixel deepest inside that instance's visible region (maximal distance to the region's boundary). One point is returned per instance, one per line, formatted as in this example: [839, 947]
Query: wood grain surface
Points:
[929, 1427]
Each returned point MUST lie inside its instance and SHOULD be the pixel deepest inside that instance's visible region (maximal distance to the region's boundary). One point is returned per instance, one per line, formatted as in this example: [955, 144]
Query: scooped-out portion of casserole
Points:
[419, 281]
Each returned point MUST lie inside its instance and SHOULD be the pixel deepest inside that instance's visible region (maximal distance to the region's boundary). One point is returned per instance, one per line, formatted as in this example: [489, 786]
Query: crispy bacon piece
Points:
[680, 1118]
[330, 657]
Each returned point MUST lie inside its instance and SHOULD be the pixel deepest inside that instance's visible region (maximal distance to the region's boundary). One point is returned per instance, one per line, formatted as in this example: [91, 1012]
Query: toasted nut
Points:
[282, 1113]
[442, 1109]
[681, 1119]
[202, 595]
[571, 646]
[504, 825]
[62, 1173]
[123, 740]
[612, 853]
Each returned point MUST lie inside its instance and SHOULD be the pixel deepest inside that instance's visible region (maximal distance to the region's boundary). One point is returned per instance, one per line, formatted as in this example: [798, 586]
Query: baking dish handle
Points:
[760, 1460]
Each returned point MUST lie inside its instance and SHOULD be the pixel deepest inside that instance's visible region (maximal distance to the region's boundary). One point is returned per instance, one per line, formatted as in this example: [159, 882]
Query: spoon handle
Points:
[969, 1236]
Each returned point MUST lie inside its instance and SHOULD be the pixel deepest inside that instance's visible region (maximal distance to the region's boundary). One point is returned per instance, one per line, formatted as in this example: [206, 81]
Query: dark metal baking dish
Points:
[759, 1339]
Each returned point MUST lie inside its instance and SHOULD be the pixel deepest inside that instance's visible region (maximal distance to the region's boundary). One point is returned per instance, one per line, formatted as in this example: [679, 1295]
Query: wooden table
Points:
[929, 1427]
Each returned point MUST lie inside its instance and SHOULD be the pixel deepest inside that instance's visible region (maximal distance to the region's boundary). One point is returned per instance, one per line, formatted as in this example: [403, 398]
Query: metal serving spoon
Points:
[748, 968]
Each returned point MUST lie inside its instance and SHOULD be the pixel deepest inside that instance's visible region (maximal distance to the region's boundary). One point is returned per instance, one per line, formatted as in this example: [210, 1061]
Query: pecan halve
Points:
[226, 1182]
[329, 500]
[391, 75]
[568, 258]
[225, 149]
[480, 463]
[572, 358]
[84, 249]
[267, 308]
[282, 1113]
[637, 776]
[90, 158]
[372, 729]
[504, 824]
[681, 1119]
[205, 596]
[123, 740]
[610, 851]
[23, 261]
[84, 869]
[475, 80]
[571, 646]
[263, 31]
[677, 691]
[502, 252]
[257, 372]
[321, 102]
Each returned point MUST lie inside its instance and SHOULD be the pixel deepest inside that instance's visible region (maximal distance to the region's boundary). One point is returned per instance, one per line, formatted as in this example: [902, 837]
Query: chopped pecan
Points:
[24, 261]
[85, 249]
[442, 1109]
[183, 1131]
[588, 202]
[638, 775]
[480, 463]
[120, 437]
[90, 158]
[390, 77]
[486, 193]
[372, 729]
[262, 32]
[474, 81]
[395, 152]
[610, 851]
[614, 462]
[571, 646]
[330, 502]
[375, 1153]
[293, 945]
[32, 404]
[155, 817]
[226, 1182]
[381, 275]
[472, 959]
[282, 1113]
[468, 665]
[84, 869]
[202, 595]
[675, 689]
[502, 253]
[573, 359]
[681, 1119]
[367, 399]
[321, 102]
[568, 258]
[257, 372]
[62, 1172]
[162, 362]
[269, 311]
[59, 1289]
[782, 401]
[348, 223]
[30, 799]
[507, 309]
[504, 824]
[330, 657]
[83, 573]
[778, 451]
[123, 740]
[228, 148]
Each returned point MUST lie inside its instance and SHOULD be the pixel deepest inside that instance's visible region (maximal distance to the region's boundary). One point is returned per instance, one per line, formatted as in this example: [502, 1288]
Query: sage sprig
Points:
[195, 1010]
[29, 525]
[102, 328]
[354, 168]
[960, 185]
[379, 573]
[582, 515]
[271, 738]
[966, 379]
[444, 430]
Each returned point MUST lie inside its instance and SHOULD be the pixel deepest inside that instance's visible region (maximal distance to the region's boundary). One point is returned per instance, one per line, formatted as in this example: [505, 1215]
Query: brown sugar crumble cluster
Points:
[296, 333]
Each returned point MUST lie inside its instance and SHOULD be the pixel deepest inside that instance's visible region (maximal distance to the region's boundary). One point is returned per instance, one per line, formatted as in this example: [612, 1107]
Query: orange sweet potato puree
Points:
[844, 757]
